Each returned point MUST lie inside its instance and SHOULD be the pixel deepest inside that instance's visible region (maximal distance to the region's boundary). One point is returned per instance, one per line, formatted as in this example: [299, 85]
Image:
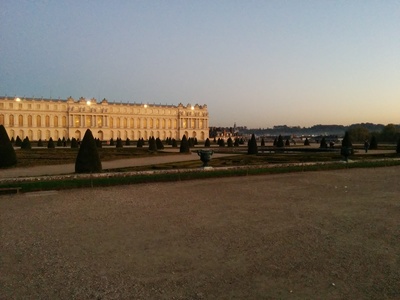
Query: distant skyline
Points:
[256, 63]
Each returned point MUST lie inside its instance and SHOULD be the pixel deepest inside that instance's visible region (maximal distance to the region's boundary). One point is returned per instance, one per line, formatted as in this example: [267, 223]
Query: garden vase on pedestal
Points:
[205, 156]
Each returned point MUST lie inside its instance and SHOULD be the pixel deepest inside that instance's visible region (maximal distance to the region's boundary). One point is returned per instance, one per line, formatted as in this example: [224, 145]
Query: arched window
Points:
[55, 121]
[64, 121]
[20, 120]
[1, 119]
[39, 121]
[11, 120]
[29, 121]
[47, 121]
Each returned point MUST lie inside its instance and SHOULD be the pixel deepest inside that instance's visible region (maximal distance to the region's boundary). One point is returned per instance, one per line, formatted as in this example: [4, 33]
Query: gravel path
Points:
[313, 235]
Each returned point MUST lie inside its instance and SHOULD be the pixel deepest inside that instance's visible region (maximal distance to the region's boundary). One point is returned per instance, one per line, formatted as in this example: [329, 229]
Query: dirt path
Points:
[313, 235]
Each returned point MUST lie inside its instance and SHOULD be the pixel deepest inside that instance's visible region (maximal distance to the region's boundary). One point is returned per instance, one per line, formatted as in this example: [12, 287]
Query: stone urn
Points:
[205, 156]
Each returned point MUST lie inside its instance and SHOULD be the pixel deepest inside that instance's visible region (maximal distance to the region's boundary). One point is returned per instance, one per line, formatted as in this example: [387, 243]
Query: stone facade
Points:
[45, 118]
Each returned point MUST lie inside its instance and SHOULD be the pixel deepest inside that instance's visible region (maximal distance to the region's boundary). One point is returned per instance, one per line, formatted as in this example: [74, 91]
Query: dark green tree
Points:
[398, 146]
[40, 143]
[287, 142]
[74, 143]
[252, 145]
[88, 159]
[59, 142]
[262, 142]
[323, 144]
[306, 142]
[347, 147]
[128, 142]
[207, 143]
[8, 157]
[152, 144]
[119, 143]
[373, 144]
[236, 143]
[99, 144]
[18, 141]
[221, 143]
[184, 148]
[139, 143]
[159, 144]
[280, 143]
[230, 142]
[275, 142]
[26, 144]
[50, 144]
[112, 142]
[174, 144]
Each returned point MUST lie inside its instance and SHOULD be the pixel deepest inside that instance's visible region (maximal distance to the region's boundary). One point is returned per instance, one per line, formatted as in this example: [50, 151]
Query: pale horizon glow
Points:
[254, 63]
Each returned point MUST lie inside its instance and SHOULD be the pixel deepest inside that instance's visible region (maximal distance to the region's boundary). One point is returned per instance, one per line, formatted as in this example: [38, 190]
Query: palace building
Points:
[44, 118]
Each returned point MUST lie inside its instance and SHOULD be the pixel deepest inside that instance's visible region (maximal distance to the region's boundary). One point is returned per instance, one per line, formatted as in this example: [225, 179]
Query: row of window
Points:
[98, 121]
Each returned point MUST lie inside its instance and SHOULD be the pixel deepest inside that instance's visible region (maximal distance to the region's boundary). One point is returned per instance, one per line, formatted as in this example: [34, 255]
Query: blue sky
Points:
[256, 63]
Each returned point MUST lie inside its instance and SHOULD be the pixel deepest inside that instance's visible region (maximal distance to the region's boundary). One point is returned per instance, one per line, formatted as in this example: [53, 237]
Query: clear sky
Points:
[256, 63]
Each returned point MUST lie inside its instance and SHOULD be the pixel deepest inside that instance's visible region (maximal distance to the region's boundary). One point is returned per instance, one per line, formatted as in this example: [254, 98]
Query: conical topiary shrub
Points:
[50, 144]
[159, 144]
[8, 158]
[26, 144]
[306, 142]
[74, 143]
[88, 159]
[252, 145]
[373, 144]
[152, 144]
[18, 141]
[184, 148]
[119, 143]
[40, 143]
[207, 143]
[280, 142]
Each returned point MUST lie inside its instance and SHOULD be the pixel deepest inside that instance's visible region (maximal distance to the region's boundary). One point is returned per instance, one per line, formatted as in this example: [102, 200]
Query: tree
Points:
[26, 144]
[306, 142]
[221, 143]
[287, 143]
[347, 147]
[373, 144]
[358, 133]
[18, 141]
[8, 158]
[262, 142]
[323, 144]
[128, 142]
[236, 143]
[111, 142]
[230, 142]
[252, 145]
[174, 143]
[390, 133]
[40, 143]
[59, 142]
[398, 147]
[119, 143]
[184, 148]
[159, 144]
[152, 144]
[207, 143]
[279, 142]
[88, 159]
[50, 144]
[74, 143]
[139, 143]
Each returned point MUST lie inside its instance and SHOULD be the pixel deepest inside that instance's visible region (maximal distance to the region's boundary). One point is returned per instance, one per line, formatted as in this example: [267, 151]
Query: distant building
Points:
[45, 118]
